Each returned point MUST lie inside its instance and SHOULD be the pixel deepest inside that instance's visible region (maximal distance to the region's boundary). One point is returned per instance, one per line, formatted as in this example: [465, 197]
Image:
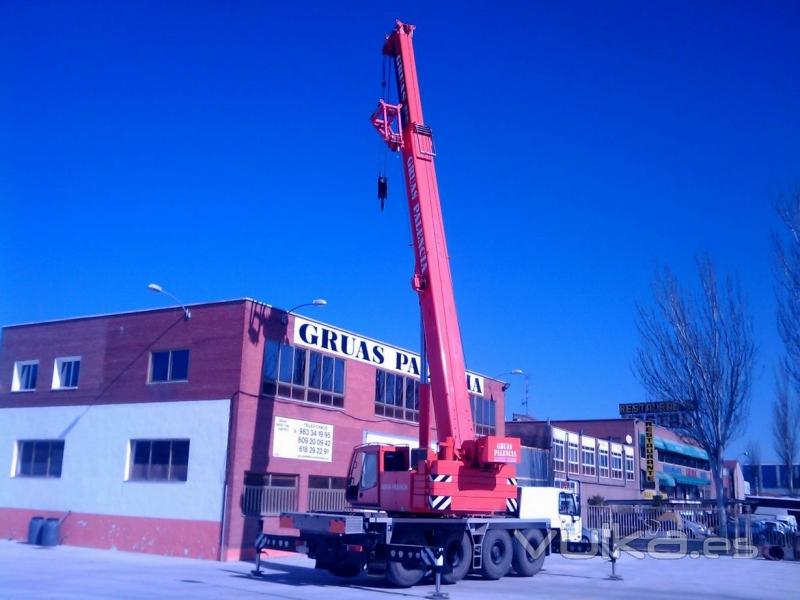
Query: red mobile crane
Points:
[462, 499]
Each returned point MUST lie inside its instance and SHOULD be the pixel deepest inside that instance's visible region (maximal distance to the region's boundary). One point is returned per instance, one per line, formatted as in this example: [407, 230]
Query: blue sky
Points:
[224, 150]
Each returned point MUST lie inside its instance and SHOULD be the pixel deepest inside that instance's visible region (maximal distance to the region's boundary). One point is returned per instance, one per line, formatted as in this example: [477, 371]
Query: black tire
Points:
[524, 564]
[497, 554]
[400, 574]
[457, 558]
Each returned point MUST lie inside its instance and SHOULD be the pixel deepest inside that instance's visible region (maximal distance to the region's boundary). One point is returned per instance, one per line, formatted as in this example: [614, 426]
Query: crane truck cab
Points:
[559, 507]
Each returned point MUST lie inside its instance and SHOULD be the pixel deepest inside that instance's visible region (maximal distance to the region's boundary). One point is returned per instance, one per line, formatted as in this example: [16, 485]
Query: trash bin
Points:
[51, 532]
[35, 530]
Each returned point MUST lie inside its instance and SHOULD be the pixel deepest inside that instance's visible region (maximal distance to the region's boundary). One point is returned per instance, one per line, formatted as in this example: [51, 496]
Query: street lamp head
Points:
[154, 287]
[517, 372]
[319, 302]
[314, 302]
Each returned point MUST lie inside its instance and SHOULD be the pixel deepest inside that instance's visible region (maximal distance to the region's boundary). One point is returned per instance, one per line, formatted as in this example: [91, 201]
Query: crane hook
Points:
[383, 189]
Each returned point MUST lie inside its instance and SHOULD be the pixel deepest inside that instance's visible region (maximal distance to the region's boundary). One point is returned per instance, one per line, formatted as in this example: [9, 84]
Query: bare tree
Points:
[698, 349]
[786, 407]
[786, 424]
[788, 289]
[754, 460]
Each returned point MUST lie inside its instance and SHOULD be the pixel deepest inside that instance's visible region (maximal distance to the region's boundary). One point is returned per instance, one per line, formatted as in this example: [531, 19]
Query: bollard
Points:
[438, 594]
[613, 556]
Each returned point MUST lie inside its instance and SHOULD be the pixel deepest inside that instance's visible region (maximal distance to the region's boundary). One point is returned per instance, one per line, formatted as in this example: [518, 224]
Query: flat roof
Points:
[220, 302]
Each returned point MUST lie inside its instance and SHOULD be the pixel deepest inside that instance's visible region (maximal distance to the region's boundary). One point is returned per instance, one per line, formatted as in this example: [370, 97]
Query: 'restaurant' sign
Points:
[348, 345]
[649, 451]
[302, 440]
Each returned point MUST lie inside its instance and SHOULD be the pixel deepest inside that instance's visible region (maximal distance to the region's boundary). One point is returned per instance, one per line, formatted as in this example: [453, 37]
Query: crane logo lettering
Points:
[417, 215]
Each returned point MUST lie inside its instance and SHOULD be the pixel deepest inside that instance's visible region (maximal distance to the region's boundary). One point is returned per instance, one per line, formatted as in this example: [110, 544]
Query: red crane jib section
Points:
[476, 475]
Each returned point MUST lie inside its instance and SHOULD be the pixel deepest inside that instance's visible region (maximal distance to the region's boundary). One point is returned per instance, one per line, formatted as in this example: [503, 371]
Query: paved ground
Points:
[67, 572]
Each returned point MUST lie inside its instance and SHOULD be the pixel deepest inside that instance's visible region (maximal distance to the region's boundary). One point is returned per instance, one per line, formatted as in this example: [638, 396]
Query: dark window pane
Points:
[410, 385]
[318, 482]
[180, 460]
[40, 456]
[299, 376]
[327, 373]
[390, 377]
[398, 391]
[416, 395]
[338, 381]
[268, 388]
[338, 401]
[180, 365]
[283, 480]
[159, 370]
[26, 458]
[34, 372]
[271, 350]
[159, 460]
[287, 352]
[312, 396]
[492, 406]
[380, 382]
[315, 370]
[56, 458]
[76, 369]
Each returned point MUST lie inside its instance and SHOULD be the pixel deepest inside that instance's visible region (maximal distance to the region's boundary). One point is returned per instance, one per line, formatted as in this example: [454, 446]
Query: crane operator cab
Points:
[373, 469]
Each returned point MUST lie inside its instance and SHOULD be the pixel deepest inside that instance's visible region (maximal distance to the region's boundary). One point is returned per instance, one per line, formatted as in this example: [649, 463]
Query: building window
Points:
[616, 464]
[396, 396]
[483, 414]
[305, 375]
[603, 461]
[588, 460]
[269, 493]
[159, 460]
[572, 458]
[558, 455]
[65, 373]
[326, 493]
[169, 365]
[24, 377]
[39, 458]
[629, 467]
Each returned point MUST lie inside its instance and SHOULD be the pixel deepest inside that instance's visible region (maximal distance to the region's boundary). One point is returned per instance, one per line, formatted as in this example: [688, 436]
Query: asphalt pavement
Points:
[67, 572]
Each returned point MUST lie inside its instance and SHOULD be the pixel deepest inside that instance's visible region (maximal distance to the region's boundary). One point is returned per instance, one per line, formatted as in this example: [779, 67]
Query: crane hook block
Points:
[383, 189]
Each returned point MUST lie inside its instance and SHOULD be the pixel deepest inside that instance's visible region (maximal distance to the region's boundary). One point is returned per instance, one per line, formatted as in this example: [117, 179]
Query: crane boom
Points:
[432, 279]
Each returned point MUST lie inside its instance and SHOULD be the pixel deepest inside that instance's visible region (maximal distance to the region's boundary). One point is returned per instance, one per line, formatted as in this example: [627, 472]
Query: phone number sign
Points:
[302, 440]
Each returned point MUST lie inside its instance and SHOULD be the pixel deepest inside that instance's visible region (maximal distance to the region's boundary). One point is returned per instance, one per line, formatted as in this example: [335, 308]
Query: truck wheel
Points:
[524, 564]
[497, 552]
[457, 558]
[400, 574]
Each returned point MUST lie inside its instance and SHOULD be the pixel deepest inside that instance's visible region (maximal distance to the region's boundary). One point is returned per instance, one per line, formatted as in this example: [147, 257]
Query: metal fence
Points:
[262, 501]
[326, 499]
[755, 534]
[654, 521]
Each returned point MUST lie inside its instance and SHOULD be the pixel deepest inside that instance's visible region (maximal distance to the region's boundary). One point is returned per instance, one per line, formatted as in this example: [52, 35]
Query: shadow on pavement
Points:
[301, 576]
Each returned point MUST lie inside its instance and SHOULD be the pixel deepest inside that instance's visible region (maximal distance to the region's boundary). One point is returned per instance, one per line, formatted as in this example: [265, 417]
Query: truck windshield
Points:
[567, 504]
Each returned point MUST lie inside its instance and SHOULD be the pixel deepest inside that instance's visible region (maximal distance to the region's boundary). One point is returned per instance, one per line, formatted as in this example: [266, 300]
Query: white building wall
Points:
[96, 441]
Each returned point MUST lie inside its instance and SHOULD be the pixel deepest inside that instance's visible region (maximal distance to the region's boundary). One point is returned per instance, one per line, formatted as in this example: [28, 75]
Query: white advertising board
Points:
[302, 440]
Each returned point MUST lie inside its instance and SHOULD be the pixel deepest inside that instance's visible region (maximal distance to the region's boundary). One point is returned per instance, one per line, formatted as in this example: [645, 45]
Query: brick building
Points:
[145, 431]
[606, 457]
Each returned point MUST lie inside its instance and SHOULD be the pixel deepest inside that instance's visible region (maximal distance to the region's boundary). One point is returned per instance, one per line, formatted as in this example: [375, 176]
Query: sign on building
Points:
[348, 345]
[302, 440]
[649, 451]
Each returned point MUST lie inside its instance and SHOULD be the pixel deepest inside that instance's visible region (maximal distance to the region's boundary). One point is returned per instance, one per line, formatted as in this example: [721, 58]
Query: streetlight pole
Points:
[154, 287]
[525, 388]
[314, 302]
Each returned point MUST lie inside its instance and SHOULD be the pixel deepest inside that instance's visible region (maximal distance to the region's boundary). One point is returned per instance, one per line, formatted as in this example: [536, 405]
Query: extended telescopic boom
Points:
[403, 127]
